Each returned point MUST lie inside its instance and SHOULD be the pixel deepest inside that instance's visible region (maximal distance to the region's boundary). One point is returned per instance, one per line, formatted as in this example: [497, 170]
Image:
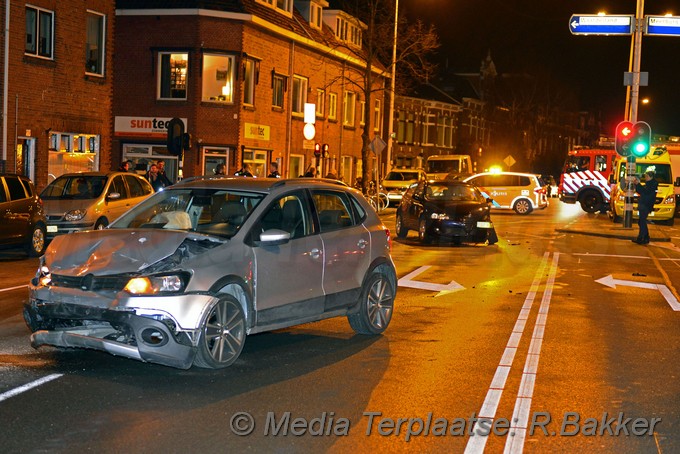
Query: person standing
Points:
[154, 179]
[124, 166]
[645, 204]
[220, 169]
[311, 172]
[274, 170]
[161, 173]
[245, 171]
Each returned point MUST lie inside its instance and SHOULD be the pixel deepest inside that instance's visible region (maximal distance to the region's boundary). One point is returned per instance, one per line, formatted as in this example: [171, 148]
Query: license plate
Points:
[484, 225]
[52, 229]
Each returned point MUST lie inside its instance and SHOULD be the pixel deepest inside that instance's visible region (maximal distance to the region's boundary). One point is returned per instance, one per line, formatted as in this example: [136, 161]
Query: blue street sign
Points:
[663, 25]
[594, 24]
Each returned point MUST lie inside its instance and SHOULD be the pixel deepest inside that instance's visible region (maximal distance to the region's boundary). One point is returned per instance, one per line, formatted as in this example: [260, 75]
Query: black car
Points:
[446, 209]
[22, 220]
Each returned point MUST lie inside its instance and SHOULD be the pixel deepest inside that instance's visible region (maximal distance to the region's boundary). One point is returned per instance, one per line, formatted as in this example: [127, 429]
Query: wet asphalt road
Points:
[519, 332]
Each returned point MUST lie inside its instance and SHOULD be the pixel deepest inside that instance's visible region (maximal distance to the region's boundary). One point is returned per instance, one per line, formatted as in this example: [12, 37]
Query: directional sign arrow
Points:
[407, 281]
[672, 301]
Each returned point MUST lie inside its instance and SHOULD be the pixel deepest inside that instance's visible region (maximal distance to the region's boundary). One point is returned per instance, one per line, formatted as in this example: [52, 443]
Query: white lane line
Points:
[514, 444]
[477, 442]
[636, 257]
[13, 392]
[12, 288]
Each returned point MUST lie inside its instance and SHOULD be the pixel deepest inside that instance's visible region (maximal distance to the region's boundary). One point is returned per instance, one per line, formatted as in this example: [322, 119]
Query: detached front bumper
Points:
[133, 328]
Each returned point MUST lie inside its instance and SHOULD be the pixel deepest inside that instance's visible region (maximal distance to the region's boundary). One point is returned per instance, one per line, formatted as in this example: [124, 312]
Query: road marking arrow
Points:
[672, 301]
[407, 281]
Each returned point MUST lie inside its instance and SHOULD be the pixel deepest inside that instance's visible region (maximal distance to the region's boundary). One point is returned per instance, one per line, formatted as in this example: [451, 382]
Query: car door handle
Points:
[362, 243]
[315, 253]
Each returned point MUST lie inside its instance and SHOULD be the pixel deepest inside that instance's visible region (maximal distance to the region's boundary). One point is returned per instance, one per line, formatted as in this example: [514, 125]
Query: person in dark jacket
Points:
[274, 170]
[645, 204]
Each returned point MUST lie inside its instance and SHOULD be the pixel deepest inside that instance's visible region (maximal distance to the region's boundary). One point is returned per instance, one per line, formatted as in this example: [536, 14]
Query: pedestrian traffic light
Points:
[624, 135]
[641, 141]
[325, 148]
[317, 149]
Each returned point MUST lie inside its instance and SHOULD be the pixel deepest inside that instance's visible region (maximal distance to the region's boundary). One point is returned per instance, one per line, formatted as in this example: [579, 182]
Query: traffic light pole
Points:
[634, 95]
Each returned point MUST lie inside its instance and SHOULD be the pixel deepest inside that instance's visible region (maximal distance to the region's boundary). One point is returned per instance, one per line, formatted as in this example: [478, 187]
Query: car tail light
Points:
[540, 190]
[389, 238]
[40, 201]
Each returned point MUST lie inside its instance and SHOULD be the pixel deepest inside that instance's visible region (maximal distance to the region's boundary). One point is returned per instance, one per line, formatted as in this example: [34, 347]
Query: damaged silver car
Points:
[186, 275]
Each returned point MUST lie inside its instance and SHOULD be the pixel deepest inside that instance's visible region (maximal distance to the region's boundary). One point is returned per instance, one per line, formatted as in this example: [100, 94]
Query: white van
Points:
[439, 166]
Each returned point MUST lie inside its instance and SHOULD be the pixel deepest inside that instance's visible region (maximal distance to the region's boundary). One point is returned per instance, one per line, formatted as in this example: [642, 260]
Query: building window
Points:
[332, 106]
[94, 46]
[320, 102]
[315, 13]
[410, 128]
[346, 169]
[429, 129]
[362, 113]
[39, 32]
[249, 82]
[377, 115]
[401, 127]
[281, 5]
[349, 109]
[213, 157]
[172, 75]
[218, 78]
[299, 95]
[278, 88]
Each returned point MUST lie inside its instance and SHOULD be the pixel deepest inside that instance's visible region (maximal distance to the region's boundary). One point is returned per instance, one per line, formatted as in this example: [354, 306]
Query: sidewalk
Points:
[600, 225]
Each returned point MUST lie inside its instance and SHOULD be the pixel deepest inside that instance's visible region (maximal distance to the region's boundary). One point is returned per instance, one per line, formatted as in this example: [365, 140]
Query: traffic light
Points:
[642, 136]
[325, 148]
[175, 141]
[317, 149]
[624, 135]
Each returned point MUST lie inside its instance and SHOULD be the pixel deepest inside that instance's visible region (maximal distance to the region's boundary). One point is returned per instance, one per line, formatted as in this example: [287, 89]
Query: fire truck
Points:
[585, 178]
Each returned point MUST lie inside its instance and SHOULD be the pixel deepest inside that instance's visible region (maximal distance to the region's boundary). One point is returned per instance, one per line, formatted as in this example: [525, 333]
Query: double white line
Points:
[520, 416]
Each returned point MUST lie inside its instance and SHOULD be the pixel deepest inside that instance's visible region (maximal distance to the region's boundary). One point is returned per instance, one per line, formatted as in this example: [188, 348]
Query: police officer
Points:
[645, 204]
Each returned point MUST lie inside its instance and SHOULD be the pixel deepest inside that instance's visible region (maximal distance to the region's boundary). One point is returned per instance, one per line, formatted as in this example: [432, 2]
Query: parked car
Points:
[444, 209]
[22, 220]
[521, 192]
[398, 181]
[184, 276]
[91, 200]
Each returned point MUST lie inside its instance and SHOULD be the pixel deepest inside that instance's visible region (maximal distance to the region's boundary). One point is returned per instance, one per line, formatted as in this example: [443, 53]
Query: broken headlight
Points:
[159, 283]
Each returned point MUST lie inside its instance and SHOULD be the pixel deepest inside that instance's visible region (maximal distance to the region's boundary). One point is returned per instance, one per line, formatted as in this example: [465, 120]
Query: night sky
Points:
[525, 35]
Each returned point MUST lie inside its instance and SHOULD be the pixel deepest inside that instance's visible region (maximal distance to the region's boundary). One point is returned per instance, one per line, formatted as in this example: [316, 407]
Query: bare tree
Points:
[416, 42]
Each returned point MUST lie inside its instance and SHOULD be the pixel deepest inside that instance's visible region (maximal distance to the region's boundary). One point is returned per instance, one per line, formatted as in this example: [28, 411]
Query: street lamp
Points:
[390, 127]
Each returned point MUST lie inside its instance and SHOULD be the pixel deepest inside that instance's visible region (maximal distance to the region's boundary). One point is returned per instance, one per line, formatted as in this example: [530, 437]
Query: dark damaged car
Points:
[446, 210]
[186, 275]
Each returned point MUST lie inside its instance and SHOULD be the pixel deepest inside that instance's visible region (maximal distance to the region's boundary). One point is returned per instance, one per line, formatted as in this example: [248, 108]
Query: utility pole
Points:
[390, 127]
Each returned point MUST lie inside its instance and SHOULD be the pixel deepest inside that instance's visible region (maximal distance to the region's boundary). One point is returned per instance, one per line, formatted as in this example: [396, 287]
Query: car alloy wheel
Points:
[223, 334]
[375, 307]
[36, 245]
[523, 206]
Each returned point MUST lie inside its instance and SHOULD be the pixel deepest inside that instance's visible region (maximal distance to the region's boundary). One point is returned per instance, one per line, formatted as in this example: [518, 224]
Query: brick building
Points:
[56, 87]
[238, 74]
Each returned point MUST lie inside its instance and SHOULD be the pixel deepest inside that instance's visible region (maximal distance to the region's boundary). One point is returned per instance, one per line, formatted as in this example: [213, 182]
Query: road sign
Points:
[594, 24]
[663, 25]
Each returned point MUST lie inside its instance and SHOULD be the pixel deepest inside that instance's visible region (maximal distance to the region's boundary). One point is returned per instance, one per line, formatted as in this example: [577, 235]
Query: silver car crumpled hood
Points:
[113, 251]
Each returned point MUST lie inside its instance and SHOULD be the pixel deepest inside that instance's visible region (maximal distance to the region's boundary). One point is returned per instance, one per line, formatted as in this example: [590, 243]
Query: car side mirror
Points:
[677, 182]
[488, 199]
[113, 196]
[274, 237]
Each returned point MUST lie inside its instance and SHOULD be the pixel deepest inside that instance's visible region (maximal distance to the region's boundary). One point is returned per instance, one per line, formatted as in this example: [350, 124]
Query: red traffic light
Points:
[624, 135]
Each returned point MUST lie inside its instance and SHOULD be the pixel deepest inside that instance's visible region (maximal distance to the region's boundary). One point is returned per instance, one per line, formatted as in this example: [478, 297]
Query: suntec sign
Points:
[143, 126]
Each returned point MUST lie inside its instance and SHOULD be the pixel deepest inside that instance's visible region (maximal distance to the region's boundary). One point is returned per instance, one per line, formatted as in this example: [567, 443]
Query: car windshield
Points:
[210, 211]
[75, 187]
[452, 192]
[401, 176]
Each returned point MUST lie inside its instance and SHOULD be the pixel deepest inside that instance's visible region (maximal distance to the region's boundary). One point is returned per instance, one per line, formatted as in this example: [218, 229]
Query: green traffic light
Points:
[640, 149]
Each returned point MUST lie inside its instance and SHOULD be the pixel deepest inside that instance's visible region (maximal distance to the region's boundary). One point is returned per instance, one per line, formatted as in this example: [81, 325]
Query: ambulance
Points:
[659, 161]
[585, 178]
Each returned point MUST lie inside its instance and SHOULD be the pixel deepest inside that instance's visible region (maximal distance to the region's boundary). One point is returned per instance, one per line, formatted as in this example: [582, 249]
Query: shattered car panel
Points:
[174, 281]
